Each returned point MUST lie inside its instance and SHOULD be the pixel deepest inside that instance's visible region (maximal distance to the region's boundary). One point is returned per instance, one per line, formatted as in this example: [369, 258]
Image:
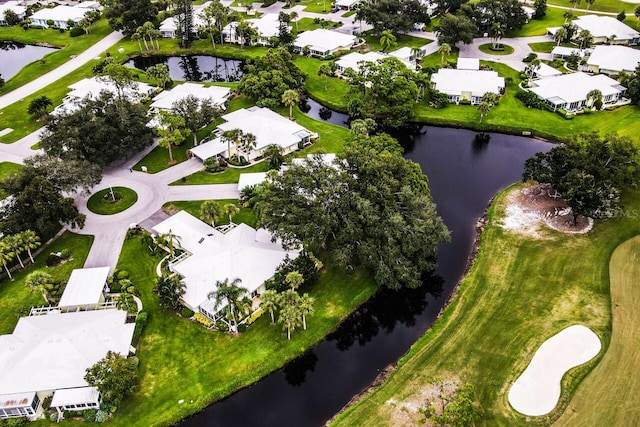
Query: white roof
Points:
[92, 87]
[574, 87]
[251, 179]
[170, 24]
[477, 82]
[546, 71]
[16, 400]
[84, 287]
[211, 148]
[605, 26]
[94, 5]
[217, 94]
[267, 25]
[59, 13]
[346, 3]
[323, 40]
[354, 60]
[74, 396]
[268, 127]
[242, 252]
[13, 6]
[53, 351]
[468, 64]
[568, 51]
[615, 58]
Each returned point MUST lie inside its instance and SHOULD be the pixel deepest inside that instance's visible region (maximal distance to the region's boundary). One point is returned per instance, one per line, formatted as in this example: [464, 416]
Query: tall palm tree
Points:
[248, 142]
[141, 34]
[31, 241]
[444, 50]
[149, 31]
[294, 279]
[290, 98]
[585, 38]
[17, 246]
[231, 136]
[534, 66]
[233, 295]
[136, 37]
[169, 238]
[231, 210]
[574, 3]
[387, 40]
[560, 35]
[293, 16]
[568, 15]
[290, 318]
[589, 3]
[269, 301]
[326, 71]
[595, 96]
[6, 256]
[38, 280]
[306, 308]
[415, 53]
[159, 72]
[210, 210]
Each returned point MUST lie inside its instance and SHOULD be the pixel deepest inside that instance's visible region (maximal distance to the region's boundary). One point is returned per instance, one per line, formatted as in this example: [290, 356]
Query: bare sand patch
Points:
[534, 206]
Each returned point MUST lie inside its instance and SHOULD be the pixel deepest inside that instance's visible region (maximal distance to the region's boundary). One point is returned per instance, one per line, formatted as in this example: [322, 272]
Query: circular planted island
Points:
[112, 200]
[498, 49]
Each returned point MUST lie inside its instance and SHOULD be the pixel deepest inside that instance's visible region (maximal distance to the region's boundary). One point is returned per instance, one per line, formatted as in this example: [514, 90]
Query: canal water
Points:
[463, 177]
[196, 68]
[14, 56]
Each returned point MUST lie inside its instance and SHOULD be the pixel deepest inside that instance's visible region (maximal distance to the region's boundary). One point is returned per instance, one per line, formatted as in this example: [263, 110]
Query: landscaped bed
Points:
[499, 49]
[112, 200]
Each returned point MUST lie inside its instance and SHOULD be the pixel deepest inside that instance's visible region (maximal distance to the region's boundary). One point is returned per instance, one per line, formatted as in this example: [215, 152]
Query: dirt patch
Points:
[533, 206]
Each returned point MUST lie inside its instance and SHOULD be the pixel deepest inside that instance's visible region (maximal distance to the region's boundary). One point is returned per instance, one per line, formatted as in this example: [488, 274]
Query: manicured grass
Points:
[602, 5]
[520, 291]
[402, 40]
[502, 49]
[435, 59]
[16, 299]
[307, 24]
[609, 394]
[245, 215]
[314, 6]
[182, 360]
[7, 169]
[350, 13]
[547, 47]
[71, 46]
[229, 176]
[103, 203]
[334, 96]
[538, 27]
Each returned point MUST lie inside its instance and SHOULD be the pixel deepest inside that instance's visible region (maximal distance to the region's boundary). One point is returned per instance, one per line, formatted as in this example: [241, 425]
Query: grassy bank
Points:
[609, 395]
[183, 360]
[519, 292]
[16, 299]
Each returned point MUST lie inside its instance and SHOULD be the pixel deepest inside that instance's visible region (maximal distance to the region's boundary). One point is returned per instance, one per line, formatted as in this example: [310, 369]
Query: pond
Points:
[14, 56]
[196, 68]
[463, 177]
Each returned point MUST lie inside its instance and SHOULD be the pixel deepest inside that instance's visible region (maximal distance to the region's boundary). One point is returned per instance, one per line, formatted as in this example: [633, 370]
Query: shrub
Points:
[53, 260]
[213, 165]
[242, 162]
[621, 16]
[306, 264]
[76, 31]
[530, 57]
[15, 422]
[268, 3]
[185, 312]
[89, 415]
[200, 318]
[531, 100]
[141, 322]
[122, 274]
[101, 416]
[65, 254]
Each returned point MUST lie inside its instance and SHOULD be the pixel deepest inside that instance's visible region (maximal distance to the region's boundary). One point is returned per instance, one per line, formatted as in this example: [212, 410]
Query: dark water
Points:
[463, 177]
[197, 68]
[317, 111]
[14, 56]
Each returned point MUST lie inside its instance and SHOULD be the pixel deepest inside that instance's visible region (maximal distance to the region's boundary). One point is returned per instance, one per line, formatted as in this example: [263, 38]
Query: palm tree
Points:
[534, 66]
[169, 238]
[290, 318]
[415, 53]
[169, 289]
[6, 256]
[221, 15]
[306, 308]
[294, 279]
[149, 31]
[15, 243]
[574, 3]
[422, 80]
[488, 101]
[31, 241]
[326, 71]
[290, 98]
[232, 135]
[387, 40]
[247, 142]
[269, 301]
[38, 280]
[560, 35]
[585, 38]
[496, 33]
[274, 153]
[233, 295]
[568, 16]
[141, 34]
[293, 16]
[595, 96]
[210, 210]
[637, 13]
[444, 50]
[231, 210]
[589, 3]
[136, 37]
[159, 72]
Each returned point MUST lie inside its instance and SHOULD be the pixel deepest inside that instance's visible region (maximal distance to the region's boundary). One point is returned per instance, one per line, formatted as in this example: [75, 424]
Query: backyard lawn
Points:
[520, 291]
[245, 215]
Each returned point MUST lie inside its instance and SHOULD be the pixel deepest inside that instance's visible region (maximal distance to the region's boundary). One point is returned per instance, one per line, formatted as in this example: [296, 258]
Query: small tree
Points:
[39, 107]
[38, 280]
[11, 18]
[6, 256]
[269, 301]
[589, 3]
[159, 72]
[230, 209]
[169, 289]
[14, 241]
[540, 7]
[172, 131]
[637, 13]
[489, 100]
[306, 308]
[31, 241]
[294, 279]
[210, 210]
[290, 318]
[290, 98]
[274, 153]
[595, 97]
[114, 376]
[326, 71]
[387, 40]
[444, 50]
[196, 113]
[235, 298]
[621, 16]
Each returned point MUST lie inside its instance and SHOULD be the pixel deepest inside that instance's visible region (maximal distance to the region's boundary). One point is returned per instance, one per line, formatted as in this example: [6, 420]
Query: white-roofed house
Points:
[468, 64]
[543, 71]
[75, 399]
[606, 29]
[346, 4]
[85, 289]
[613, 60]
[269, 128]
[564, 52]
[218, 95]
[13, 6]
[467, 84]
[242, 252]
[57, 16]
[251, 179]
[52, 351]
[267, 27]
[354, 60]
[169, 27]
[569, 91]
[91, 87]
[322, 42]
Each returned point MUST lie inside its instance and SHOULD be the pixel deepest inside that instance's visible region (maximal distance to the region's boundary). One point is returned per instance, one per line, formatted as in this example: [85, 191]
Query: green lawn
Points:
[519, 292]
[16, 299]
[245, 215]
[71, 46]
[103, 202]
[546, 47]
[308, 24]
[402, 40]
[314, 6]
[7, 169]
[602, 5]
[435, 59]
[229, 176]
[502, 49]
[182, 360]
[609, 394]
[538, 27]
[336, 89]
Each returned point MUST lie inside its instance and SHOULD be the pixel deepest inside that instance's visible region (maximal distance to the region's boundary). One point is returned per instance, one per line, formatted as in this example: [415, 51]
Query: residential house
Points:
[613, 60]
[58, 16]
[564, 52]
[269, 128]
[542, 71]
[85, 289]
[569, 91]
[211, 256]
[346, 4]
[467, 84]
[49, 352]
[409, 56]
[169, 27]
[605, 29]
[321, 42]
[13, 6]
[267, 27]
[218, 95]
[354, 60]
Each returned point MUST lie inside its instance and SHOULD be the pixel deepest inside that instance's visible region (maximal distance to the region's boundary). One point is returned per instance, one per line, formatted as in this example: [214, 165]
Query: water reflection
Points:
[196, 68]
[14, 56]
[295, 372]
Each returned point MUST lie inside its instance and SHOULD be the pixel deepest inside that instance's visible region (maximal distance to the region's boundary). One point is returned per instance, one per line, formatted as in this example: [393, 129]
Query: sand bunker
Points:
[537, 390]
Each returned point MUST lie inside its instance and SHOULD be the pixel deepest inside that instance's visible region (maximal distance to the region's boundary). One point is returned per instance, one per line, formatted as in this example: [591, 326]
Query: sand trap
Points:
[537, 390]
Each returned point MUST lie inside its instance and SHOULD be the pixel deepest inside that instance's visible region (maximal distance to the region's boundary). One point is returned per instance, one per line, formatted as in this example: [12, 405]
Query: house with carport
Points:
[467, 83]
[604, 29]
[267, 27]
[218, 95]
[169, 27]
